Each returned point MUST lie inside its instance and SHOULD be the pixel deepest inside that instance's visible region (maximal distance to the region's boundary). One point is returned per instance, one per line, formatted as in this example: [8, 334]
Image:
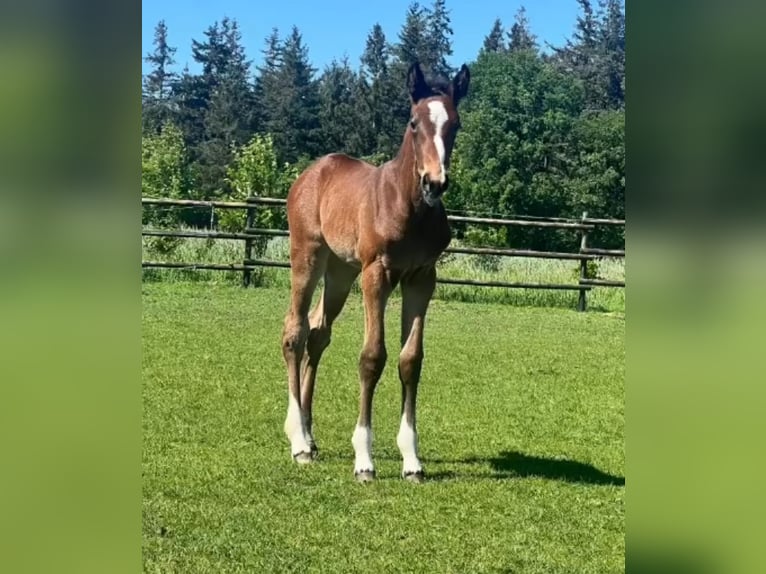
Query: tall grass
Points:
[452, 265]
[526, 270]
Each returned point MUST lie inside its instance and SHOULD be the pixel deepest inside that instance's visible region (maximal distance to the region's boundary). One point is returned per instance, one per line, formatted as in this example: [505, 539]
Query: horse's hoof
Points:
[417, 477]
[314, 450]
[364, 476]
[304, 457]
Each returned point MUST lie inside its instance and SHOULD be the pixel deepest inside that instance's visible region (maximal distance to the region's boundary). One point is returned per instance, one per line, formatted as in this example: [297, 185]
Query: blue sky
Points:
[334, 28]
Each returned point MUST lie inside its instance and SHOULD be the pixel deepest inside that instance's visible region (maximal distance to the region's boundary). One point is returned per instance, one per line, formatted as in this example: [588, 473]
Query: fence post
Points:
[581, 302]
[247, 274]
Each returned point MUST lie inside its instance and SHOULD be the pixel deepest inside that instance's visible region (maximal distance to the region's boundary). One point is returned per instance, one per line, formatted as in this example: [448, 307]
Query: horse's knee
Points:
[371, 362]
[294, 335]
[318, 340]
[410, 363]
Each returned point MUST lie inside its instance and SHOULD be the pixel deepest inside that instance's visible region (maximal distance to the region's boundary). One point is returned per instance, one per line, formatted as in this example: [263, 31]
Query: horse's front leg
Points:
[417, 290]
[376, 287]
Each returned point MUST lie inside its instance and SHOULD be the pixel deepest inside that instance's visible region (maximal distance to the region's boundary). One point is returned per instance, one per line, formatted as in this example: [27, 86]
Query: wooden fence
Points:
[583, 226]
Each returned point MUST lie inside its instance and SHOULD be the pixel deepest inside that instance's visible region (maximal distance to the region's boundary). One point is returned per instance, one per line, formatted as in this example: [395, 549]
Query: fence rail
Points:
[583, 225]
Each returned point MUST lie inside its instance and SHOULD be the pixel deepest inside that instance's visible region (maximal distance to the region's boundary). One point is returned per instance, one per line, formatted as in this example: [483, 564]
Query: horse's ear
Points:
[416, 83]
[460, 84]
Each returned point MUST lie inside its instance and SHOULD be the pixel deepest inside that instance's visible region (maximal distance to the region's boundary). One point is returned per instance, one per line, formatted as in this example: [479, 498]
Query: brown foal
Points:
[388, 223]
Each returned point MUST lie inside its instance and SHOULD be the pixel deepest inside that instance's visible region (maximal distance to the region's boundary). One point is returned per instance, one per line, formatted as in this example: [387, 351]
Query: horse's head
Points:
[434, 124]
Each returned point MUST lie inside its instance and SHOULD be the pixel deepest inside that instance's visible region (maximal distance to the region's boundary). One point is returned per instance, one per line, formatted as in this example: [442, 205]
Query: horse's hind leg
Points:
[337, 283]
[308, 262]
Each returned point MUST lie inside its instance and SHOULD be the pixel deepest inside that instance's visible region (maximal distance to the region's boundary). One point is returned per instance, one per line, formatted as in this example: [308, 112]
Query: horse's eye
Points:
[413, 124]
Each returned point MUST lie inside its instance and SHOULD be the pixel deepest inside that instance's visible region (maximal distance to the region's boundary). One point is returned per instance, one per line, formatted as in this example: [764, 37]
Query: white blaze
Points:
[439, 117]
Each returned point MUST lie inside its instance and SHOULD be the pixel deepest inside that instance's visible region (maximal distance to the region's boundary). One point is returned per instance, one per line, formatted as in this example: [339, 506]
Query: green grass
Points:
[521, 424]
[455, 266]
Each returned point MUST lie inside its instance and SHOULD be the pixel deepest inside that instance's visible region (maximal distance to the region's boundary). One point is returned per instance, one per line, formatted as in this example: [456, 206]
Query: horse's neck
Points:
[402, 168]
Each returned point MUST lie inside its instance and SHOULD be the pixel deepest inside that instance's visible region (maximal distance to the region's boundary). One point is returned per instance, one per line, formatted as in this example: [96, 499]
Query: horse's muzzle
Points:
[432, 190]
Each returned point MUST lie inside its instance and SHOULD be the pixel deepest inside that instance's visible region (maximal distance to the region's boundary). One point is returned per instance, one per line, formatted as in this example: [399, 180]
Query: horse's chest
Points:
[421, 245]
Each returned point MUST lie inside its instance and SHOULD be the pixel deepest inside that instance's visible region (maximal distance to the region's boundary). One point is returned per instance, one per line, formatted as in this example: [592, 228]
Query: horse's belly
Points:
[344, 248]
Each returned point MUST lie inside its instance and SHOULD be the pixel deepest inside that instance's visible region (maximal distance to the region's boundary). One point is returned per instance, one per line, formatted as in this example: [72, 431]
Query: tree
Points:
[156, 93]
[164, 173]
[439, 39]
[413, 39]
[255, 171]
[513, 154]
[493, 42]
[291, 100]
[375, 56]
[381, 93]
[598, 172]
[191, 96]
[266, 92]
[425, 37]
[612, 33]
[596, 54]
[520, 37]
[222, 103]
[345, 119]
[164, 164]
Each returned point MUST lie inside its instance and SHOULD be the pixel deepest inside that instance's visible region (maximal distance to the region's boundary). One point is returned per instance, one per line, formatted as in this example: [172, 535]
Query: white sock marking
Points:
[407, 441]
[294, 428]
[362, 441]
[439, 117]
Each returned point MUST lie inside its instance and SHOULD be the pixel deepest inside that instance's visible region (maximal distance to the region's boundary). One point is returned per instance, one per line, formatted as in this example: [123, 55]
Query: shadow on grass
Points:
[512, 464]
[507, 465]
[519, 464]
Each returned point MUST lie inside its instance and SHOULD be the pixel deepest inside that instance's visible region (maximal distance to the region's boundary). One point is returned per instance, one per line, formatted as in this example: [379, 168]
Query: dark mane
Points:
[425, 83]
[438, 85]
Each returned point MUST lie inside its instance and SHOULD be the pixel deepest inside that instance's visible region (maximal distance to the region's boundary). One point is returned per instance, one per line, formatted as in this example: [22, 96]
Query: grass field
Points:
[521, 422]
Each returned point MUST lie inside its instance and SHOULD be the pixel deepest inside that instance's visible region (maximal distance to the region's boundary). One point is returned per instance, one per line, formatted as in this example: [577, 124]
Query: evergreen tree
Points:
[293, 121]
[596, 54]
[381, 93]
[191, 97]
[222, 56]
[413, 40]
[613, 40]
[425, 37]
[439, 39]
[345, 120]
[375, 57]
[584, 56]
[222, 101]
[493, 42]
[520, 37]
[266, 91]
[157, 84]
[229, 115]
